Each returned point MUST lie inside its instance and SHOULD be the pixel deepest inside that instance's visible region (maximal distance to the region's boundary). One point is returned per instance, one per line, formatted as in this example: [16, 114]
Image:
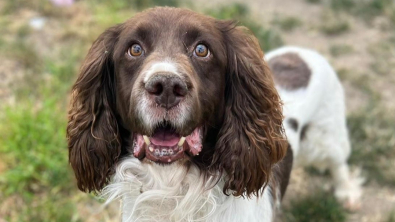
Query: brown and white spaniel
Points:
[315, 117]
[176, 113]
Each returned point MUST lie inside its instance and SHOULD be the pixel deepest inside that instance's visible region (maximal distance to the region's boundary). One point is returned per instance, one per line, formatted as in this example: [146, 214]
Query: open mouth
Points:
[165, 145]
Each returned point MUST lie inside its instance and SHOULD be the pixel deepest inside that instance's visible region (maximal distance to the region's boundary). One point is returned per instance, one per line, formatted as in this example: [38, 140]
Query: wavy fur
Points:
[251, 138]
[178, 193]
[92, 132]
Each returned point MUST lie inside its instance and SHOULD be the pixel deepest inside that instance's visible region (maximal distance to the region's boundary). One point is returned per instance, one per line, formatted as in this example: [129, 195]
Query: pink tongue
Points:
[165, 137]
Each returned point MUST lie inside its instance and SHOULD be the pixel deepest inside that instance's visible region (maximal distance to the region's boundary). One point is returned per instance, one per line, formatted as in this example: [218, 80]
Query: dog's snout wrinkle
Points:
[168, 89]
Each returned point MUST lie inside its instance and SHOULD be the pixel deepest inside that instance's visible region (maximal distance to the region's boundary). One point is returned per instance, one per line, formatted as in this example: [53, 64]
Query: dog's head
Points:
[171, 86]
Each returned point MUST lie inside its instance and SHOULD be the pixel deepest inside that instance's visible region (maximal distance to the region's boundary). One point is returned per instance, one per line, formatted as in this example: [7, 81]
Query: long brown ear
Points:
[92, 132]
[251, 138]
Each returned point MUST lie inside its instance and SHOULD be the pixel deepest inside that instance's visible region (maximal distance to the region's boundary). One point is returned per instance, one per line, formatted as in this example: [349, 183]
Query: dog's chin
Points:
[166, 146]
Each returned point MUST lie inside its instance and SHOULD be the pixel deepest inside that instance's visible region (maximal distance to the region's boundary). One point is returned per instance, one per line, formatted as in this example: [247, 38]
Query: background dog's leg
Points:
[347, 186]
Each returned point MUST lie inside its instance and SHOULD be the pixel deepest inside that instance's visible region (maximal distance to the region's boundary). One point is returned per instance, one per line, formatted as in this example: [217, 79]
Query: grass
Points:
[38, 184]
[313, 171]
[136, 4]
[33, 148]
[372, 132]
[361, 81]
[43, 7]
[30, 134]
[317, 207]
[335, 28]
[21, 51]
[383, 54]
[346, 5]
[287, 23]
[38, 180]
[367, 10]
[268, 38]
[313, 1]
[343, 73]
[142, 4]
[340, 49]
[108, 13]
[391, 217]
[372, 136]
[334, 24]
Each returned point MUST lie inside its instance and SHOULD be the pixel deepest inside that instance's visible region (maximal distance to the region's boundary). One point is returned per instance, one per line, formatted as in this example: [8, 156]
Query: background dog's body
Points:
[315, 118]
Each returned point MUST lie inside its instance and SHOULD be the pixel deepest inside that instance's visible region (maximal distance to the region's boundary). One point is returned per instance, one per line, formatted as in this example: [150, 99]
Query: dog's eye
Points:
[201, 51]
[135, 50]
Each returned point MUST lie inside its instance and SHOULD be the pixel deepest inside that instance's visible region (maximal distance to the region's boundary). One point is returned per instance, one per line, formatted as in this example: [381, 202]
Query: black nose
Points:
[168, 89]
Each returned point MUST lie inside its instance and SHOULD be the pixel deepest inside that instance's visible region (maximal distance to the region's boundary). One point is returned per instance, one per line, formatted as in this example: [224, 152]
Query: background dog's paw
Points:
[350, 192]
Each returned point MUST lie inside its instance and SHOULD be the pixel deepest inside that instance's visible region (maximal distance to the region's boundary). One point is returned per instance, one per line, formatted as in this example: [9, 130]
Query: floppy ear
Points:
[92, 132]
[251, 138]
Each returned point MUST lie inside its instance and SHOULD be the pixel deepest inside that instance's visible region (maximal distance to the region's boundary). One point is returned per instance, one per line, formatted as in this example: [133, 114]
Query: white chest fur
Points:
[151, 192]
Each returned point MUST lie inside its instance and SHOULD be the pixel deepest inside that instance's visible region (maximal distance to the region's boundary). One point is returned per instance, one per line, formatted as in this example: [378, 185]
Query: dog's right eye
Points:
[201, 51]
[135, 50]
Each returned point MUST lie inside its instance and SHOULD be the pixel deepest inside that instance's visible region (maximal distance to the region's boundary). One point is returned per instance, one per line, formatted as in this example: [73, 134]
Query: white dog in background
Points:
[315, 117]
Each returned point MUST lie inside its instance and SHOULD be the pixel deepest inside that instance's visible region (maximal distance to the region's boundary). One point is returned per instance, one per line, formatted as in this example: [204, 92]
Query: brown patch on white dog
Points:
[290, 71]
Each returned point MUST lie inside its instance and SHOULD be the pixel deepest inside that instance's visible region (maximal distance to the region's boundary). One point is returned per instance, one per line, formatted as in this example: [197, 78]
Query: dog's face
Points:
[170, 81]
[170, 84]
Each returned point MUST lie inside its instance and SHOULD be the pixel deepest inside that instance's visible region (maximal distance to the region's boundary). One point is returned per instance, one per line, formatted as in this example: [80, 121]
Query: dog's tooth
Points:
[171, 151]
[151, 149]
[157, 152]
[146, 139]
[181, 142]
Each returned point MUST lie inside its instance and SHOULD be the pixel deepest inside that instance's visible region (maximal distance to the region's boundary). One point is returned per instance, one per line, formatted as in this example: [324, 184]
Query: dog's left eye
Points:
[135, 50]
[201, 51]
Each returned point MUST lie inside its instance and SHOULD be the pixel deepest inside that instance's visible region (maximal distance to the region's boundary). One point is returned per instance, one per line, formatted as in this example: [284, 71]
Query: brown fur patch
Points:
[303, 132]
[290, 71]
[293, 123]
[286, 167]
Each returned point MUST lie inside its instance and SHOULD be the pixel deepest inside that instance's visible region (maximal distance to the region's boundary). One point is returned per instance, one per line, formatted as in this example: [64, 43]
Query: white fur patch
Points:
[164, 66]
[147, 108]
[152, 116]
[151, 192]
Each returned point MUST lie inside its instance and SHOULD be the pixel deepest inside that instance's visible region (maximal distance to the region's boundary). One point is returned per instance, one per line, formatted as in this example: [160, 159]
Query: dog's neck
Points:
[151, 192]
